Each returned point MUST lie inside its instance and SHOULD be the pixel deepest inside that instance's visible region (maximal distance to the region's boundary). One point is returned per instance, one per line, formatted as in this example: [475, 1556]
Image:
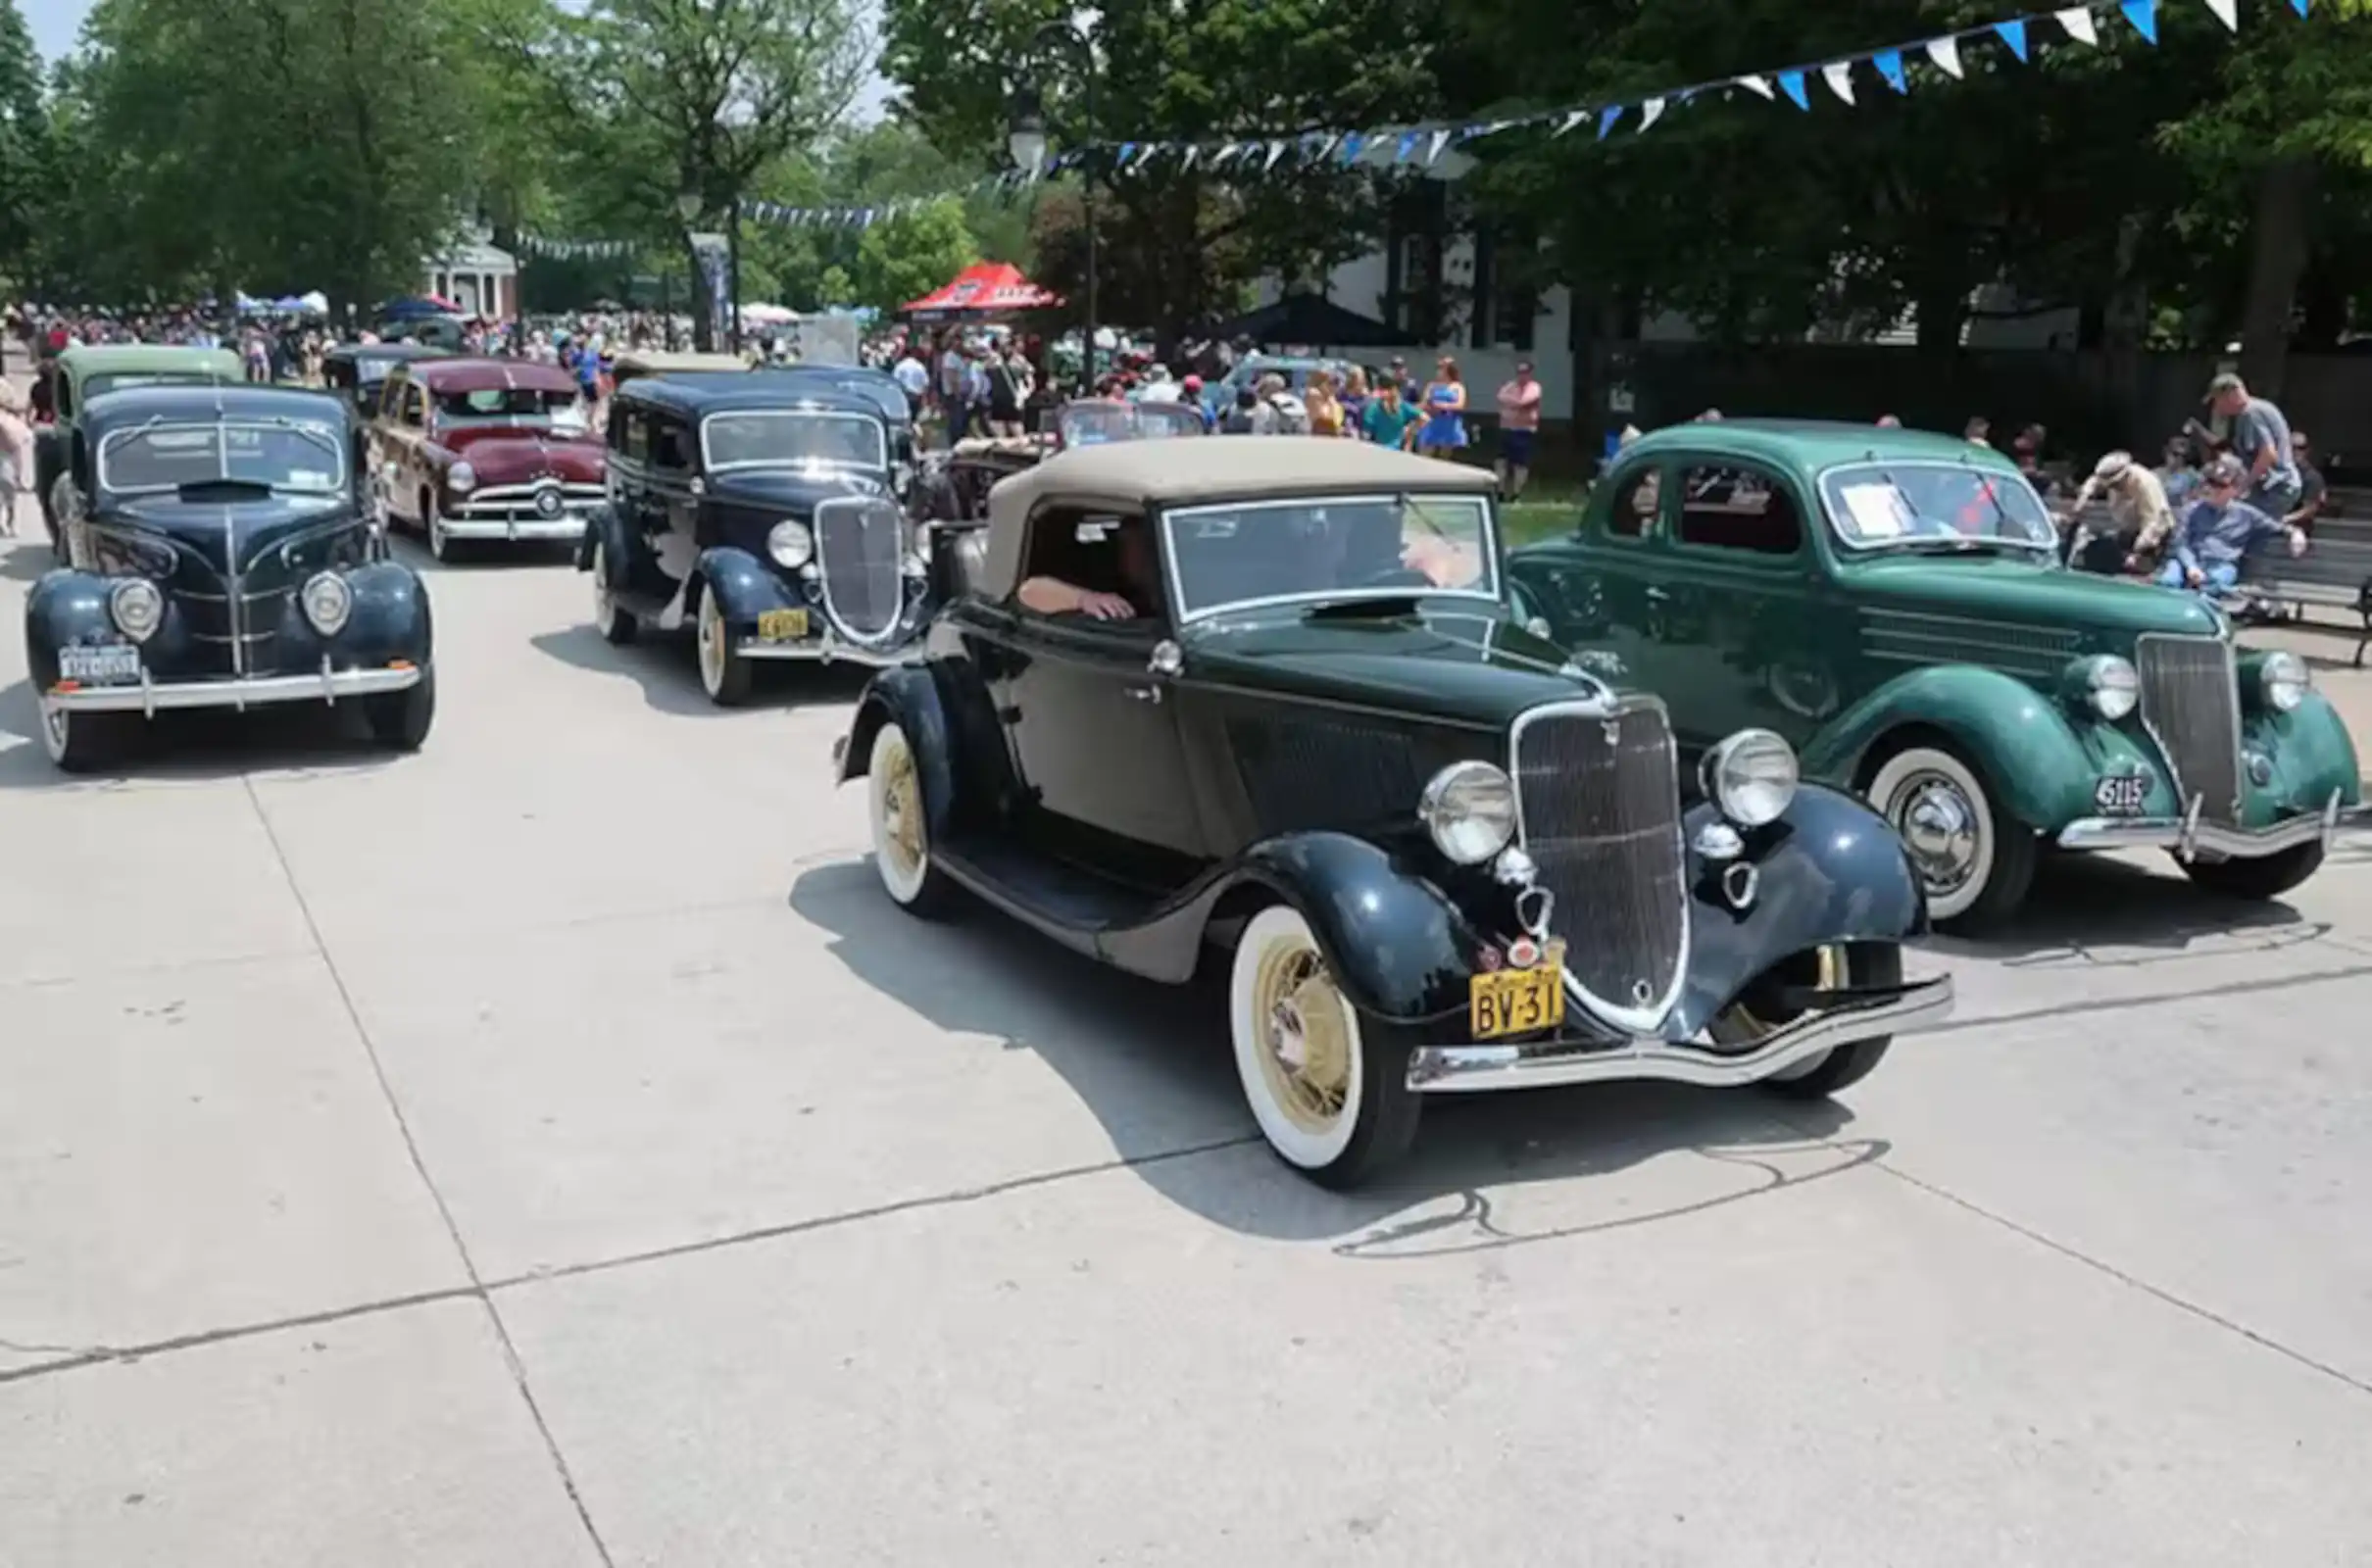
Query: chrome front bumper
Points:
[828, 650]
[568, 525]
[1441, 1069]
[2191, 836]
[150, 698]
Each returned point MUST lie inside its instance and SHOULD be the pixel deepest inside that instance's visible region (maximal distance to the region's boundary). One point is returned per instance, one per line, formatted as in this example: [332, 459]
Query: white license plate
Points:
[100, 666]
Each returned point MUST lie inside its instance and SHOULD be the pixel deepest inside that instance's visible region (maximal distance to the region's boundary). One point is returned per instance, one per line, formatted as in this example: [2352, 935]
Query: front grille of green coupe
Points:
[2191, 707]
[1600, 801]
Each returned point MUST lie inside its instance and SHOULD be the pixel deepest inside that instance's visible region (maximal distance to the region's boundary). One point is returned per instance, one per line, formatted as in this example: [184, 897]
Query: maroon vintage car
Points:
[485, 450]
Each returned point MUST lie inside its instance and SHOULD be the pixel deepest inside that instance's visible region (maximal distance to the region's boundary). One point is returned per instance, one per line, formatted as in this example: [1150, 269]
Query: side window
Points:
[1097, 549]
[633, 434]
[1732, 507]
[671, 447]
[1632, 516]
[416, 406]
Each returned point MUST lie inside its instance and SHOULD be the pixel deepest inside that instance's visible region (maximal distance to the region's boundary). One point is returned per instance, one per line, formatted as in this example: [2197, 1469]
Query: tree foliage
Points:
[24, 144]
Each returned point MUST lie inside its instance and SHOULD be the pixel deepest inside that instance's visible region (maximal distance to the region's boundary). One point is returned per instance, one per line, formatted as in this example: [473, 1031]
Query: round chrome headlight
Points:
[2285, 680]
[1469, 809]
[1751, 777]
[2111, 687]
[460, 476]
[791, 544]
[328, 600]
[137, 608]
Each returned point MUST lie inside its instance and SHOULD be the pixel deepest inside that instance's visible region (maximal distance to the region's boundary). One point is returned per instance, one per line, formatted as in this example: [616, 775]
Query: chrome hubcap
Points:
[1939, 825]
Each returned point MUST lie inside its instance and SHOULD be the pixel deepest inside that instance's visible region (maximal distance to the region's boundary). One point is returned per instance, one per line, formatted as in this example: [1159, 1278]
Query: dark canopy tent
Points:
[1312, 320]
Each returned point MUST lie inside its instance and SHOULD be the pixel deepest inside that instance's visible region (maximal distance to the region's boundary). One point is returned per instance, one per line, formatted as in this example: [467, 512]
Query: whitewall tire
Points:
[1975, 861]
[432, 519]
[1327, 1086]
[723, 673]
[901, 823]
[612, 619]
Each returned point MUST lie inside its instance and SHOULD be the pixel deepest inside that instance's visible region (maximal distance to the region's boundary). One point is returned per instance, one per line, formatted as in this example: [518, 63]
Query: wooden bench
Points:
[2335, 572]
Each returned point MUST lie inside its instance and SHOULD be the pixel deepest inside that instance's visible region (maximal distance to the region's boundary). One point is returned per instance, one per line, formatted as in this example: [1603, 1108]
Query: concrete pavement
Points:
[551, 1149]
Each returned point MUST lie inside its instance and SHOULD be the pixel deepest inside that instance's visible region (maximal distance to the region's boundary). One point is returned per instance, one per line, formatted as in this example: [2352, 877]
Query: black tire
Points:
[1870, 963]
[401, 720]
[2268, 876]
[86, 743]
[1377, 1118]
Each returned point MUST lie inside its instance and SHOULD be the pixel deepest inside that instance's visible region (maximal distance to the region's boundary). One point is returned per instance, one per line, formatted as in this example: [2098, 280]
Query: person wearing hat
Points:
[1190, 393]
[2139, 516]
[2219, 529]
[2260, 438]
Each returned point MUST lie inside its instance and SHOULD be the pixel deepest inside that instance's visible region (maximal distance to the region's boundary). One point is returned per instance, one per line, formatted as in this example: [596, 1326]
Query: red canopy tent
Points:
[984, 288]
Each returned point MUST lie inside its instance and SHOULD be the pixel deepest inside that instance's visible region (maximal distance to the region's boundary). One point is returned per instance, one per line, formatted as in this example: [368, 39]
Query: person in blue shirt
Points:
[2218, 530]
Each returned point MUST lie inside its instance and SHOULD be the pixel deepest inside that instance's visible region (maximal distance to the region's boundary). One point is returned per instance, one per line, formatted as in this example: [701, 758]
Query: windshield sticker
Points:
[310, 479]
[1878, 510]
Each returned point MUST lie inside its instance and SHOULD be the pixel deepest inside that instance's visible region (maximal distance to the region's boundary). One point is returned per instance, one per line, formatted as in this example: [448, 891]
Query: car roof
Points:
[1166, 473]
[693, 393]
[1815, 444]
[101, 359]
[138, 405]
[482, 374]
[387, 351]
[651, 361]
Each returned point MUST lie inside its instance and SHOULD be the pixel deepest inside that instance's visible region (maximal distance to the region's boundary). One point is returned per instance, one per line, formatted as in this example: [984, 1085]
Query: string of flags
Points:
[1421, 145]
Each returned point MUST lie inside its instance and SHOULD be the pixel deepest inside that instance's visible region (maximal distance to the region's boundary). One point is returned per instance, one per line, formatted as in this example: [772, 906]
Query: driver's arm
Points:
[1052, 595]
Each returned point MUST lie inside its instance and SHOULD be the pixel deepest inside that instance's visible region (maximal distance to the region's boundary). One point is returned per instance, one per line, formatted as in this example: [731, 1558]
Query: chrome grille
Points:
[860, 549]
[2190, 706]
[202, 598]
[1598, 797]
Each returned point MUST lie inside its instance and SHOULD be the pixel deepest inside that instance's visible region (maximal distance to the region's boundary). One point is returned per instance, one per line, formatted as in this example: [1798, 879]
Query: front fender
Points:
[2042, 766]
[1830, 870]
[65, 606]
[603, 528]
[391, 618]
[908, 695]
[744, 586]
[2311, 753]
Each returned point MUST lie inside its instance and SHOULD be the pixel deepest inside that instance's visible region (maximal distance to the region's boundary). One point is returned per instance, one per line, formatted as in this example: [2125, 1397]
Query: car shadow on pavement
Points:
[663, 667]
[2084, 902]
[26, 557]
[1151, 1063]
[198, 745]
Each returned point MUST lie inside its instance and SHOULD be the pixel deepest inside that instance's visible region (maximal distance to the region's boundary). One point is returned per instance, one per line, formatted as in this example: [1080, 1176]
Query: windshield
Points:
[93, 385]
[1088, 424]
[304, 457]
[536, 407]
[1330, 549]
[794, 438]
[1876, 506]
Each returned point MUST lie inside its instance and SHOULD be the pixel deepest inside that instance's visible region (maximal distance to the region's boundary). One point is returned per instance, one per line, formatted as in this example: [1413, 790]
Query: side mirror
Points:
[699, 487]
[1168, 660]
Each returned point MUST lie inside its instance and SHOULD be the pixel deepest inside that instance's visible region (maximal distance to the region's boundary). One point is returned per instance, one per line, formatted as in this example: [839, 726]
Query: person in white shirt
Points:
[915, 379]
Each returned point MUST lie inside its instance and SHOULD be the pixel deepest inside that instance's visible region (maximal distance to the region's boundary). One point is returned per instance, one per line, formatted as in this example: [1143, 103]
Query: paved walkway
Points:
[551, 1150]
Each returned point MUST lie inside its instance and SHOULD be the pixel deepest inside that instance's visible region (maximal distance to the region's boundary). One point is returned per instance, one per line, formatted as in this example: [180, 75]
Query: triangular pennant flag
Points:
[1127, 151]
[2227, 12]
[1946, 53]
[1276, 150]
[1890, 66]
[1407, 145]
[2013, 33]
[2300, 6]
[1433, 147]
[1607, 117]
[1354, 142]
[1192, 153]
[2077, 19]
[1759, 87]
[1838, 74]
[1572, 118]
[1791, 82]
[1325, 145]
[1650, 111]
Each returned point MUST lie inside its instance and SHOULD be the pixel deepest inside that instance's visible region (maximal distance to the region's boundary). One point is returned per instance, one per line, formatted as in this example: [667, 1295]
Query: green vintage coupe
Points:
[1893, 604]
[87, 372]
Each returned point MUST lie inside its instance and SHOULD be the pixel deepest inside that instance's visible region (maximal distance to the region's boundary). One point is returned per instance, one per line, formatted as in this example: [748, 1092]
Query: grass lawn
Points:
[1547, 510]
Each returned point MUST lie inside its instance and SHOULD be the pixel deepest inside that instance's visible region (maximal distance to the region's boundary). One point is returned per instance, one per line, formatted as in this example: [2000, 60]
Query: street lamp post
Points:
[688, 203]
[1028, 144]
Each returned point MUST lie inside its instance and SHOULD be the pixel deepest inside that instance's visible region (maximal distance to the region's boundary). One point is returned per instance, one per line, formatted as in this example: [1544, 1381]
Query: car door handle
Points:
[1658, 596]
[1143, 694]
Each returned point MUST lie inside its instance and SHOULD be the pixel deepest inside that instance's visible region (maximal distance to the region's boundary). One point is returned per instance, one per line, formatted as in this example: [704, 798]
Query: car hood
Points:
[794, 489]
[2106, 614]
[522, 457]
[1454, 664]
[221, 533]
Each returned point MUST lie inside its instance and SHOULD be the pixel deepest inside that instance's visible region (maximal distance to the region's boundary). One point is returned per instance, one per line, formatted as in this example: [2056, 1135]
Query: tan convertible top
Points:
[1137, 474]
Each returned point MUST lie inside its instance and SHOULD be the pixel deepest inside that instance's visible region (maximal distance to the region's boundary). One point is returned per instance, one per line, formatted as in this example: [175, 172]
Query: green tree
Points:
[24, 140]
[910, 255]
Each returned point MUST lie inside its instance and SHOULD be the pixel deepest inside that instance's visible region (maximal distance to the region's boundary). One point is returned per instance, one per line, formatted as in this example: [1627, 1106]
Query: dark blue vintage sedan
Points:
[221, 553]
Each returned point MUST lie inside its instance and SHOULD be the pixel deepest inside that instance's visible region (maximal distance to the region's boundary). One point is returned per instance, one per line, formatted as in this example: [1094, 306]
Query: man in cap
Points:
[2259, 434]
[2139, 516]
[2218, 530]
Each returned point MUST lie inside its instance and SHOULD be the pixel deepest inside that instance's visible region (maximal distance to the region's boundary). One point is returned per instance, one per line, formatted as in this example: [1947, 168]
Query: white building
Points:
[478, 275]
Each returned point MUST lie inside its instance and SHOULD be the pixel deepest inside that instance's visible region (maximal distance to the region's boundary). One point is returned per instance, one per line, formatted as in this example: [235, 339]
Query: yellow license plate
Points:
[781, 625]
[1517, 1002]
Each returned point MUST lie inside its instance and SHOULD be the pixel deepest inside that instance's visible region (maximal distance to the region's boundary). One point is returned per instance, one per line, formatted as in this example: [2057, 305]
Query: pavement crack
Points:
[2069, 1009]
[74, 1357]
[2130, 1281]
[460, 1246]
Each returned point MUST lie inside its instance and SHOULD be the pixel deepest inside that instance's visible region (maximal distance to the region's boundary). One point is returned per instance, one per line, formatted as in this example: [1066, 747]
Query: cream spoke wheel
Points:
[1314, 1081]
[901, 823]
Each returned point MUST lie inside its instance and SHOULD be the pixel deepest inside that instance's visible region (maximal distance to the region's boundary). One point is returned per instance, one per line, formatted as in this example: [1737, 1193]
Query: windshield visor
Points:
[305, 459]
[1331, 550]
[1880, 506]
[93, 385]
[788, 438]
